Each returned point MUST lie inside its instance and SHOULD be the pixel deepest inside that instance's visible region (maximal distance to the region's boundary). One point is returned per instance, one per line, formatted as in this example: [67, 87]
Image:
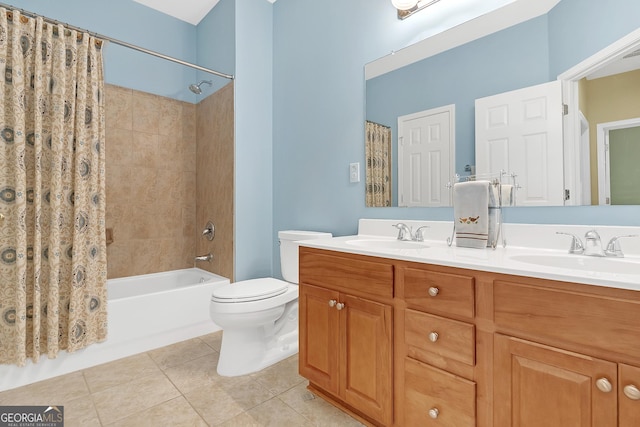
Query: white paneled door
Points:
[520, 132]
[425, 157]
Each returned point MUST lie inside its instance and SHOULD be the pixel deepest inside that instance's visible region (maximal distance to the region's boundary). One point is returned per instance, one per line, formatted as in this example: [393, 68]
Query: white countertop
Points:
[528, 240]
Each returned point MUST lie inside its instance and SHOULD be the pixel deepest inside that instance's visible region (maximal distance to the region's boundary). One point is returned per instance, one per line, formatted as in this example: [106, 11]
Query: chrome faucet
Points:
[592, 244]
[404, 231]
[208, 257]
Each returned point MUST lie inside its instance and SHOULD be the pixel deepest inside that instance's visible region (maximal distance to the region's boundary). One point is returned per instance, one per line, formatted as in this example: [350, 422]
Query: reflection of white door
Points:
[520, 132]
[624, 191]
[425, 157]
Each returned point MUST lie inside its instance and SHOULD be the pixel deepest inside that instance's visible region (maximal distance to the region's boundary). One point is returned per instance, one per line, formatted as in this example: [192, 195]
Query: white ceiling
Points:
[191, 11]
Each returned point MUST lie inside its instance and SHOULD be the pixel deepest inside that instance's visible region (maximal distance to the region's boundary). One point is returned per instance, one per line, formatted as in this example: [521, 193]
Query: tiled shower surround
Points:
[151, 148]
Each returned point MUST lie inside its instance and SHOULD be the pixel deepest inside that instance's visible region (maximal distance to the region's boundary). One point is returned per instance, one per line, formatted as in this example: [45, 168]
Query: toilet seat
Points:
[249, 290]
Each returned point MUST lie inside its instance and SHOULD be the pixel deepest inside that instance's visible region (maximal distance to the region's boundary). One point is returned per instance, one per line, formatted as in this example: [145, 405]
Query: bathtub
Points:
[144, 312]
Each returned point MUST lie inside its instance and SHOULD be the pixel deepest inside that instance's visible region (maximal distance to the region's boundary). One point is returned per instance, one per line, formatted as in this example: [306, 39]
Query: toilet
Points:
[259, 317]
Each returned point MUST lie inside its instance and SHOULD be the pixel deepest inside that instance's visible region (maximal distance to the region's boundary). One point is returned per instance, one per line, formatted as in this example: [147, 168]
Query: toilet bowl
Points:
[259, 317]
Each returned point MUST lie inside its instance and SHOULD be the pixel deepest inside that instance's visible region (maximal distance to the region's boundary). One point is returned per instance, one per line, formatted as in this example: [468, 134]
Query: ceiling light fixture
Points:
[406, 8]
[404, 4]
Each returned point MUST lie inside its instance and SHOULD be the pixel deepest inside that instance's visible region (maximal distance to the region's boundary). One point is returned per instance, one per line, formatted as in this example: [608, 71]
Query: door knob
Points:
[433, 413]
[340, 306]
[332, 303]
[433, 291]
[433, 336]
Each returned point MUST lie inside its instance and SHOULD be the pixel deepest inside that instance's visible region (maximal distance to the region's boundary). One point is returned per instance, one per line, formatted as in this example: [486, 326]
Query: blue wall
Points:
[253, 154]
[319, 104]
[300, 97]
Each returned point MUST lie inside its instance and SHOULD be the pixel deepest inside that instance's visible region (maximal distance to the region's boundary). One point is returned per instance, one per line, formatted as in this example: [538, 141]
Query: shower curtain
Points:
[52, 190]
[378, 164]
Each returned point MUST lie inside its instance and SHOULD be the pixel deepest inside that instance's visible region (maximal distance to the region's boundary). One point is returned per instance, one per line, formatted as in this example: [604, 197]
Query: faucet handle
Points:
[419, 235]
[576, 244]
[613, 247]
[404, 232]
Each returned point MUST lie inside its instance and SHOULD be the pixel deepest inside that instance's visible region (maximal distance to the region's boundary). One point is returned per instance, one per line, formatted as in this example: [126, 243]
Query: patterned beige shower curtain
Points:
[52, 190]
[378, 165]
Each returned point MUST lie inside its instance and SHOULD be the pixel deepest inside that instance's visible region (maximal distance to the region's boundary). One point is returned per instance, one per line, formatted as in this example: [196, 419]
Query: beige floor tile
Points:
[316, 409]
[213, 340]
[281, 376]
[180, 353]
[221, 402]
[138, 395]
[199, 373]
[175, 413]
[118, 372]
[55, 391]
[81, 413]
[275, 413]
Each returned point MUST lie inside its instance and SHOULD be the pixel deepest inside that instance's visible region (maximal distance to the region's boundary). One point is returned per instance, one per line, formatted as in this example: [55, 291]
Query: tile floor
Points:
[178, 385]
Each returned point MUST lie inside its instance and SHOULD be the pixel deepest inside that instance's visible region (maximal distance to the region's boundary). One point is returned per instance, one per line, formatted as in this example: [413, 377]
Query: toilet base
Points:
[248, 350]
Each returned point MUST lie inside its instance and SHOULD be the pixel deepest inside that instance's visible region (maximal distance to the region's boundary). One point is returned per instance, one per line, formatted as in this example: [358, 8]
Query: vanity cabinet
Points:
[399, 343]
[560, 353]
[346, 325]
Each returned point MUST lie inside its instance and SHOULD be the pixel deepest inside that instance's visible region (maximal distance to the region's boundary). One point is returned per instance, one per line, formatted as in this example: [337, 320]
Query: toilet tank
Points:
[289, 243]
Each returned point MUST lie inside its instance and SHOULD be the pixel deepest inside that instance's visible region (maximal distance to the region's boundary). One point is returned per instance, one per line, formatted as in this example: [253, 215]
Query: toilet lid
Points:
[250, 290]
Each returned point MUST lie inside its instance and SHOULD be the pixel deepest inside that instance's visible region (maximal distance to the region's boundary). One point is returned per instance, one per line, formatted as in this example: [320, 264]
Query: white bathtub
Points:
[144, 312]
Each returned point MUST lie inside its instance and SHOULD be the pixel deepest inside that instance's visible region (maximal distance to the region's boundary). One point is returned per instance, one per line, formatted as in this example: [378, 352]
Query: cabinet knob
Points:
[332, 303]
[433, 413]
[604, 385]
[340, 306]
[632, 392]
[433, 336]
[433, 291]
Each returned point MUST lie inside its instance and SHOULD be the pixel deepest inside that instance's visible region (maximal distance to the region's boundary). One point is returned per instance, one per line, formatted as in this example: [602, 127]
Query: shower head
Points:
[195, 88]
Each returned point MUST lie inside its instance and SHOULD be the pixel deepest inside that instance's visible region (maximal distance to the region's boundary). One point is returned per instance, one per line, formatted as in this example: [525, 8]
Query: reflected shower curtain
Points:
[378, 165]
[52, 190]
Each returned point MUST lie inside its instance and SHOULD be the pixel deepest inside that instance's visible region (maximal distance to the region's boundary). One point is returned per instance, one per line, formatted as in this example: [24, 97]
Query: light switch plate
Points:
[354, 172]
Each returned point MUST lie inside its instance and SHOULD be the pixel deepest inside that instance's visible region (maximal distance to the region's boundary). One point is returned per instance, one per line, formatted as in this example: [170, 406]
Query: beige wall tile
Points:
[153, 204]
[214, 177]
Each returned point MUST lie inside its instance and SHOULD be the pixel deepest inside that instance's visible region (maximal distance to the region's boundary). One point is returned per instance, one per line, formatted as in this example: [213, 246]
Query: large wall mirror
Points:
[605, 88]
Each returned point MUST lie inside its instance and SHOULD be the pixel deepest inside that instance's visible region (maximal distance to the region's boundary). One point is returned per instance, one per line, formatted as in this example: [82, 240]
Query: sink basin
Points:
[386, 244]
[583, 263]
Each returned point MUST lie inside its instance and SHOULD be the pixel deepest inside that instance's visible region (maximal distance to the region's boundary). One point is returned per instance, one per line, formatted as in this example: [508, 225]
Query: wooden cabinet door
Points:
[319, 337]
[366, 353]
[629, 395]
[536, 385]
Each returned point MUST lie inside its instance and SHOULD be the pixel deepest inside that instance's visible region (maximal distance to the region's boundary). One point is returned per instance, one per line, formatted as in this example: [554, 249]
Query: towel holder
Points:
[497, 180]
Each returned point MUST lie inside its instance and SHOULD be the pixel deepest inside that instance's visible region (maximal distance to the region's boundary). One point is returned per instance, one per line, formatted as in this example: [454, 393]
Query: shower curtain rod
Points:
[120, 42]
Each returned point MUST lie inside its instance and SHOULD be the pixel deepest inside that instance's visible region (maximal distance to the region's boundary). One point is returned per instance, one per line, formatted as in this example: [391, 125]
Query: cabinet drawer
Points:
[597, 321]
[437, 398]
[350, 274]
[445, 337]
[440, 293]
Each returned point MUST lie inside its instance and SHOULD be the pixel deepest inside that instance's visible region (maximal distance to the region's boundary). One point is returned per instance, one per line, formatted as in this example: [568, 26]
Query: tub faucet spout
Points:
[208, 257]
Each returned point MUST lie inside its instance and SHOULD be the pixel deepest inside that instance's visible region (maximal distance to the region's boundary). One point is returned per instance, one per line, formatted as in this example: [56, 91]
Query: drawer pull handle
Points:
[433, 413]
[332, 303]
[632, 392]
[604, 385]
[433, 336]
[340, 306]
[433, 291]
